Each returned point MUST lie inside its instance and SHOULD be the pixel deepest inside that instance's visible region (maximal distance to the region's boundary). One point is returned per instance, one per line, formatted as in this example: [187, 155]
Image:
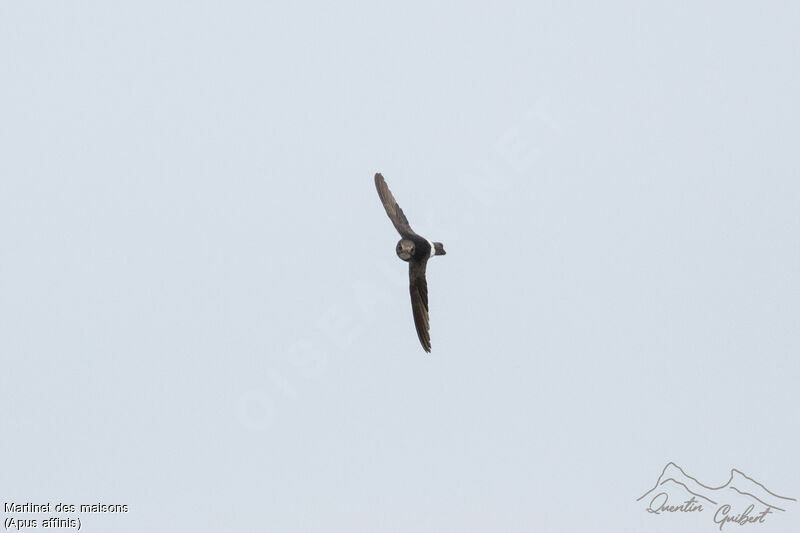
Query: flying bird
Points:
[416, 251]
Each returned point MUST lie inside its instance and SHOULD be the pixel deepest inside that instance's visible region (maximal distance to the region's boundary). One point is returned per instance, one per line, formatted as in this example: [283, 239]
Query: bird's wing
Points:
[419, 301]
[396, 214]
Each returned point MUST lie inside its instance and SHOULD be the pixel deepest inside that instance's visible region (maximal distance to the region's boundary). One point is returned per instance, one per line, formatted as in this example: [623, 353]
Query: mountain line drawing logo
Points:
[741, 500]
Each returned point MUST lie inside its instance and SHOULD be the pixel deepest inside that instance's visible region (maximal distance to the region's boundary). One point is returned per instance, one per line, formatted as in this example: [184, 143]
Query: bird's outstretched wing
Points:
[396, 214]
[419, 301]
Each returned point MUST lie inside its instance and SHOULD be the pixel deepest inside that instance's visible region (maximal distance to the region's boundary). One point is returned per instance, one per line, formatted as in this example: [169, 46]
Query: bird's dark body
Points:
[416, 251]
[422, 248]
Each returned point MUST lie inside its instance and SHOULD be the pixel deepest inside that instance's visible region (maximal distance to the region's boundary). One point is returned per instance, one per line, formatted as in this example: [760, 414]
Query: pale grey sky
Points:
[202, 315]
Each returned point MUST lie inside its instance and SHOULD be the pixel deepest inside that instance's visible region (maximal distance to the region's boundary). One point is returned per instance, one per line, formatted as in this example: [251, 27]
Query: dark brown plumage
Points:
[396, 214]
[418, 286]
[416, 251]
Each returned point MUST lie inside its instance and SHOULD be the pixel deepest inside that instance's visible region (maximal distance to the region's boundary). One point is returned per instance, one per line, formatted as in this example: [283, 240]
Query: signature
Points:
[741, 500]
[723, 516]
[689, 506]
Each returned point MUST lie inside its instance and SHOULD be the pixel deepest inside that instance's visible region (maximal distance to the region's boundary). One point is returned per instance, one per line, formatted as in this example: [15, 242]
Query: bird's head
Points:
[405, 249]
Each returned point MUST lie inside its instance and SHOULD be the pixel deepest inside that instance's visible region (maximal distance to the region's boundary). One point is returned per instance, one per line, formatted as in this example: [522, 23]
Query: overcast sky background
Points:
[202, 315]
